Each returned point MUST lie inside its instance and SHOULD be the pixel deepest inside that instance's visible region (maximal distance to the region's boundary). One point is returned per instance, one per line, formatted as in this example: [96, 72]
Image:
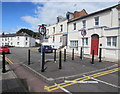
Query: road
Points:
[77, 68]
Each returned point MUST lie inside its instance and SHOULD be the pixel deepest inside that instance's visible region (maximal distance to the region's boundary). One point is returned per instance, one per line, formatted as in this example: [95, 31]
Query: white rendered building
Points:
[17, 40]
[102, 31]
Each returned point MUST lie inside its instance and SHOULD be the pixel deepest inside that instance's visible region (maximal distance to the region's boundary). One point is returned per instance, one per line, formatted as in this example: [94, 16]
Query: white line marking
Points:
[105, 82]
[64, 89]
[82, 81]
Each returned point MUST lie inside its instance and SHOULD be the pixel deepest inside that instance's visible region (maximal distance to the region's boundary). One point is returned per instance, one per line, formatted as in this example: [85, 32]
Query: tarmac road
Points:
[107, 83]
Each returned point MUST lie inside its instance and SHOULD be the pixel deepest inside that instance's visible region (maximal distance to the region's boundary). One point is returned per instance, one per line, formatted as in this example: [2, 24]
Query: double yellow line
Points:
[65, 84]
[8, 60]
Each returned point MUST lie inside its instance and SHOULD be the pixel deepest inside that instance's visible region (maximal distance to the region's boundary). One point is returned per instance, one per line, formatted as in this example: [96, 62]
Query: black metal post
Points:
[92, 57]
[29, 57]
[3, 62]
[43, 61]
[73, 54]
[81, 53]
[55, 55]
[60, 60]
[64, 54]
[100, 54]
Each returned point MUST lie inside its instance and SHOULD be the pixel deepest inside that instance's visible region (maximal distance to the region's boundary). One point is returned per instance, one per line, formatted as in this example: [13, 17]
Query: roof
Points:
[93, 13]
[13, 35]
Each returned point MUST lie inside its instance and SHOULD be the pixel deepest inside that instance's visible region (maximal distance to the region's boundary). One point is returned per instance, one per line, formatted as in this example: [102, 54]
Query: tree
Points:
[29, 32]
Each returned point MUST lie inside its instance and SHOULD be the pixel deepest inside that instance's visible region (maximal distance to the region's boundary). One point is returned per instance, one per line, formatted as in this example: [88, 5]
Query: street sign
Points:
[42, 30]
[83, 32]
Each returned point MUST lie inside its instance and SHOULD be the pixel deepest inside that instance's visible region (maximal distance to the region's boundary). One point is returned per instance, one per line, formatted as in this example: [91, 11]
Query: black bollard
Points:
[43, 61]
[81, 53]
[100, 54]
[64, 54]
[29, 57]
[60, 60]
[3, 62]
[92, 57]
[73, 54]
[54, 54]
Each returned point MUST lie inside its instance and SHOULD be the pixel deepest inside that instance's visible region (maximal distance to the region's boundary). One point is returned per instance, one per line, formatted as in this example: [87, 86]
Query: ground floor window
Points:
[18, 43]
[112, 41]
[85, 41]
[74, 43]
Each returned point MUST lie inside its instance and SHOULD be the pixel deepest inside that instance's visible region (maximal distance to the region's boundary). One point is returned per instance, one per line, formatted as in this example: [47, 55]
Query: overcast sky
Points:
[16, 15]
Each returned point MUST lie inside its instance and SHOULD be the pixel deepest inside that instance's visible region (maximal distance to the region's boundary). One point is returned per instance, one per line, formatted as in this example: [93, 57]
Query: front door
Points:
[94, 43]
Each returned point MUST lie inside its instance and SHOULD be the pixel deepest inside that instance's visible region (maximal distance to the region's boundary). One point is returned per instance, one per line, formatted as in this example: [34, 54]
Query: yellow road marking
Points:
[53, 59]
[82, 79]
[8, 60]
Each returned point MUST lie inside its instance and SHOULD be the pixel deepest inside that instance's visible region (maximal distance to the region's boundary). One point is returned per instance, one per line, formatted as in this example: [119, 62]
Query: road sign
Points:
[83, 32]
[42, 30]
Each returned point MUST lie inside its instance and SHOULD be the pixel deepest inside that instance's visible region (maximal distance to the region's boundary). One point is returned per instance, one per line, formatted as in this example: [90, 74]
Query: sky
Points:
[17, 15]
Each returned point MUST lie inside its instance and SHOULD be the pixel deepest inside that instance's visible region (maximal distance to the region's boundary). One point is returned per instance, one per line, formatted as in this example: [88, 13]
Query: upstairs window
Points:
[96, 20]
[74, 26]
[26, 38]
[61, 28]
[53, 29]
[84, 23]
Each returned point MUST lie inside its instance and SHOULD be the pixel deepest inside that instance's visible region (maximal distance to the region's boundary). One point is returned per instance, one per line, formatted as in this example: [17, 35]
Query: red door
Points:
[94, 43]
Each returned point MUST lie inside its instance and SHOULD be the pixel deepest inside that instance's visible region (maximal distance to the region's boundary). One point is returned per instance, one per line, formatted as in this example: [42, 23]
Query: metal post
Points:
[83, 49]
[64, 54]
[28, 56]
[92, 57]
[81, 53]
[55, 55]
[43, 61]
[3, 62]
[73, 54]
[60, 61]
[100, 54]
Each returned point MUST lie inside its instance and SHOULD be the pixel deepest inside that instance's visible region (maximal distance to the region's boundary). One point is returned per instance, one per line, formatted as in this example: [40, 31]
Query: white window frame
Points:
[97, 20]
[84, 23]
[74, 26]
[85, 40]
[74, 43]
[112, 41]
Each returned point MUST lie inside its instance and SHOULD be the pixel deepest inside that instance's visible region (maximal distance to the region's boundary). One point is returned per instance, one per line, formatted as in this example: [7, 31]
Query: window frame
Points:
[74, 26]
[112, 41]
[97, 20]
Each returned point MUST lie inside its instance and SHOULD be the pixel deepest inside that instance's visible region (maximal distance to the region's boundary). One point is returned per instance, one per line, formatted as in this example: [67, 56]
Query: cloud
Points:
[50, 10]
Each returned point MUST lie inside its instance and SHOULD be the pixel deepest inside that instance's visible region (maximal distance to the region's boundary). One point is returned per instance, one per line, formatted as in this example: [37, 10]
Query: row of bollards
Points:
[60, 58]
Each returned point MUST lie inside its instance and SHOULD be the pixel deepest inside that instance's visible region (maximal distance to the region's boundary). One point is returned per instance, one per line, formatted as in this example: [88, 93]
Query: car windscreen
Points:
[3, 47]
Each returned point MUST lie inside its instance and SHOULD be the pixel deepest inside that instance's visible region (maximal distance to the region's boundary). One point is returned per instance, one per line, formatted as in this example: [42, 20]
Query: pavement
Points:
[9, 82]
[71, 69]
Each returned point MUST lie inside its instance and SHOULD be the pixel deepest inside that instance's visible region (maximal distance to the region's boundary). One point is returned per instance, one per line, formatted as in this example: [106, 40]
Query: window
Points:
[26, 38]
[96, 20]
[53, 38]
[61, 28]
[53, 29]
[2, 39]
[18, 43]
[47, 31]
[26, 43]
[61, 39]
[119, 21]
[74, 43]
[17, 38]
[74, 25]
[84, 23]
[85, 41]
[11, 43]
[11, 38]
[5, 39]
[112, 41]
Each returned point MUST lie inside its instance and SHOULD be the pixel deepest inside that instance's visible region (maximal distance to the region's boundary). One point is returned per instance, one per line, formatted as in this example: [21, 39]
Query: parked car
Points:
[46, 48]
[5, 49]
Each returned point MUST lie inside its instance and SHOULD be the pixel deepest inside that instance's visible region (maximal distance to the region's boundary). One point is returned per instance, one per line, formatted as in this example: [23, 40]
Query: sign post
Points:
[42, 32]
[83, 33]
